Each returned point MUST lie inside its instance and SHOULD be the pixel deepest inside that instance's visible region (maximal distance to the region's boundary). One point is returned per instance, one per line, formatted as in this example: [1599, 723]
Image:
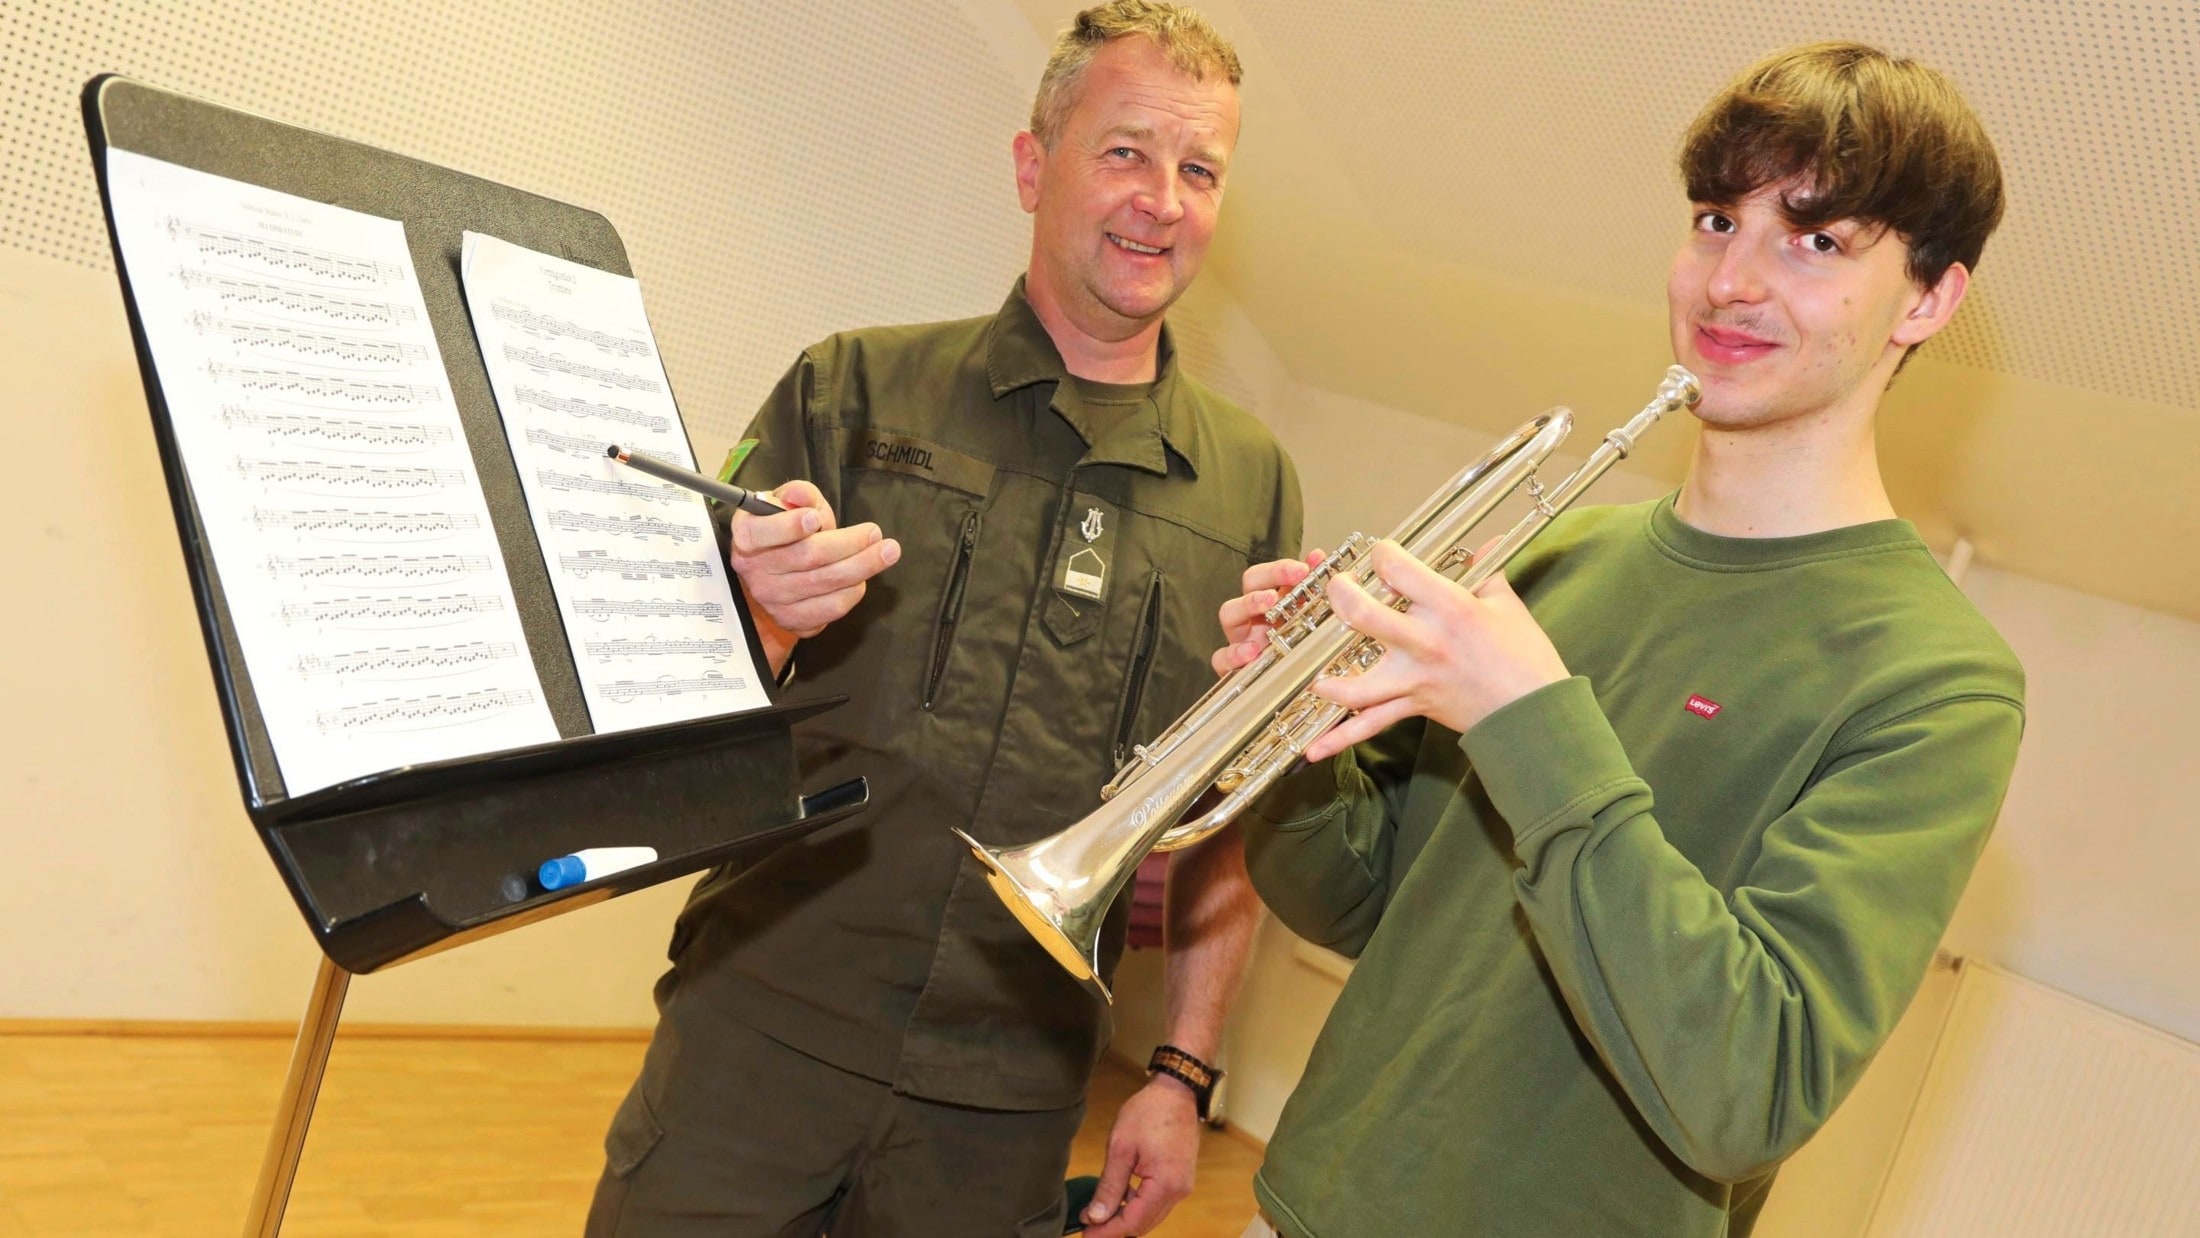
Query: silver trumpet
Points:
[1250, 728]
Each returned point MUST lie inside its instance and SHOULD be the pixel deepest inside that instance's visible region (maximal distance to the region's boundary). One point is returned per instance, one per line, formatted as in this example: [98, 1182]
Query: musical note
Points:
[415, 713]
[325, 306]
[536, 359]
[601, 609]
[623, 526]
[585, 408]
[546, 325]
[625, 690]
[223, 243]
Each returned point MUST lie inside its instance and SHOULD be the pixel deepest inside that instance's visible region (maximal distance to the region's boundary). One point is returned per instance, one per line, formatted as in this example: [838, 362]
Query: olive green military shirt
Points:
[1065, 548]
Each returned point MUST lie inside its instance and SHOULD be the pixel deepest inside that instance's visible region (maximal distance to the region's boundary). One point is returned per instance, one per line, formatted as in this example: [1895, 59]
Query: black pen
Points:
[747, 500]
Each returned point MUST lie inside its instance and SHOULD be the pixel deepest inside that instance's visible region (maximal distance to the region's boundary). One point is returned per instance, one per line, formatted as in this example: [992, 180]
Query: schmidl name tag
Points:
[1088, 548]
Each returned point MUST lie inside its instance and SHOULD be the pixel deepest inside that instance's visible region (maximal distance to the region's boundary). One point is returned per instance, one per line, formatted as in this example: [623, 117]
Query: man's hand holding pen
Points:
[800, 570]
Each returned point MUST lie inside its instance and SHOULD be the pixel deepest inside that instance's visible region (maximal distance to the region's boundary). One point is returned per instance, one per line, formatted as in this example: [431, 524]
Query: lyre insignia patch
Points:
[1091, 528]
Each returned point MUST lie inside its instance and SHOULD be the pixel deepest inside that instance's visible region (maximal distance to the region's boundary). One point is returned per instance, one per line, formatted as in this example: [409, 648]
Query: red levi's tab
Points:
[1704, 707]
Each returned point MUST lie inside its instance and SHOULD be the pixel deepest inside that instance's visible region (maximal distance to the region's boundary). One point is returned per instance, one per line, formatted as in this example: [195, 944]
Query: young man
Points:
[1008, 542]
[1642, 864]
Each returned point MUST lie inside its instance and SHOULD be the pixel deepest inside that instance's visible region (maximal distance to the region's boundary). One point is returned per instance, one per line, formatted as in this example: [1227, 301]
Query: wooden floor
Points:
[147, 1136]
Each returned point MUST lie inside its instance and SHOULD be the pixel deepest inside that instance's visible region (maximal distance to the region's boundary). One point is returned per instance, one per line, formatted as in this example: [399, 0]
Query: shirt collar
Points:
[1019, 353]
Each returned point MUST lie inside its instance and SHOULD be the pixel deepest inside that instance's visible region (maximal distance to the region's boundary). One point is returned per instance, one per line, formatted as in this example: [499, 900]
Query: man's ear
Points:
[1935, 308]
[1031, 163]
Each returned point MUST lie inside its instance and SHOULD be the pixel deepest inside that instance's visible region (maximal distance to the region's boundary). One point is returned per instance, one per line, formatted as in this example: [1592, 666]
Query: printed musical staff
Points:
[339, 432]
[345, 477]
[567, 444]
[624, 526]
[328, 307]
[353, 525]
[588, 408]
[404, 610]
[624, 690]
[718, 650]
[653, 491]
[423, 712]
[391, 569]
[552, 327]
[342, 507]
[583, 563]
[555, 363]
[222, 243]
[602, 609]
[310, 345]
[323, 386]
[415, 662]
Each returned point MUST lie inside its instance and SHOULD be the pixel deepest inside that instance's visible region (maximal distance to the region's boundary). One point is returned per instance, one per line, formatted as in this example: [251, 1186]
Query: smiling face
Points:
[1783, 322]
[1124, 204]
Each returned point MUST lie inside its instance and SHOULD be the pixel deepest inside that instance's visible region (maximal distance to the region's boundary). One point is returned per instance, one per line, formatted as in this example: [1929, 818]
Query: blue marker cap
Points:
[566, 870]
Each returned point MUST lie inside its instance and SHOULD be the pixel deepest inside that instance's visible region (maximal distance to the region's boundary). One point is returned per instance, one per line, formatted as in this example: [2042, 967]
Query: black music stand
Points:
[393, 866]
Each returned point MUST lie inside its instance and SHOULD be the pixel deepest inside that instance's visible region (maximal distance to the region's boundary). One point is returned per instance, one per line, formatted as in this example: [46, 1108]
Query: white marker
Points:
[590, 863]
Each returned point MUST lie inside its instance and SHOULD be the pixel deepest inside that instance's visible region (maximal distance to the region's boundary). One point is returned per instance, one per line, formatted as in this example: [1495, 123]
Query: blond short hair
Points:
[1180, 32]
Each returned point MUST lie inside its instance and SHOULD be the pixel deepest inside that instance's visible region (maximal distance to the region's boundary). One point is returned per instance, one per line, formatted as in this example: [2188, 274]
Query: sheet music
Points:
[324, 449]
[647, 601]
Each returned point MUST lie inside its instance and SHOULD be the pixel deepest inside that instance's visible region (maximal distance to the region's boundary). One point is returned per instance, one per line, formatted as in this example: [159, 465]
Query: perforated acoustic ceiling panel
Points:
[1535, 139]
[778, 171]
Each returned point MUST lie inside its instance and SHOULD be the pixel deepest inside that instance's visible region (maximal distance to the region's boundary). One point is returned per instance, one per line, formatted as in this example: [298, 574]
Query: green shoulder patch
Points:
[734, 456]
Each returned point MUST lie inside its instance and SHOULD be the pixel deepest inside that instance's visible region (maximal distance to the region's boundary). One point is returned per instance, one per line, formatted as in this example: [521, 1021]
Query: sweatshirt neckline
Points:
[1690, 545]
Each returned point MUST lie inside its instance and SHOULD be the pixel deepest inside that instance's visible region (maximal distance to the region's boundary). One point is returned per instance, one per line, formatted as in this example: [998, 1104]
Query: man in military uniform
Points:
[1007, 545]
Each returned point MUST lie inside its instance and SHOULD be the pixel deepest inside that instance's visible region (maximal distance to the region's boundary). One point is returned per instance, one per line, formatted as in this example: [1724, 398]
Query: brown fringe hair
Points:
[1865, 136]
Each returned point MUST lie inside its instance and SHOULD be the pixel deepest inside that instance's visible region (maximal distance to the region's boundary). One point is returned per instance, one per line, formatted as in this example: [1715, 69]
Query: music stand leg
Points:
[308, 1060]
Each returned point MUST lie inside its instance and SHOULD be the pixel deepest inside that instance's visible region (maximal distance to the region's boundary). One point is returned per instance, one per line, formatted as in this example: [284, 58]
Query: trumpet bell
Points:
[1068, 927]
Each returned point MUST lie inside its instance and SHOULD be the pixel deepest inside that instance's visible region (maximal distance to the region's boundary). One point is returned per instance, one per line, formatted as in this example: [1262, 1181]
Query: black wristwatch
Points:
[1187, 1070]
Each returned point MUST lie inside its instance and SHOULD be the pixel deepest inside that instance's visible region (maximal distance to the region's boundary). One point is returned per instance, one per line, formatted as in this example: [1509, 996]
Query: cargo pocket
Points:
[634, 1133]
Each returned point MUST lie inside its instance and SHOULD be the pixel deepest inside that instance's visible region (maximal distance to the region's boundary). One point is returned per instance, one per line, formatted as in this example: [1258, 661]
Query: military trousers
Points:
[730, 1134]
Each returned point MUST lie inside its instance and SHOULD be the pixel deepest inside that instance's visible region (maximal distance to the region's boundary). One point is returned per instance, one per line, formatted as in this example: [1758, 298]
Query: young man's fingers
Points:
[1241, 613]
[1364, 614]
[1358, 727]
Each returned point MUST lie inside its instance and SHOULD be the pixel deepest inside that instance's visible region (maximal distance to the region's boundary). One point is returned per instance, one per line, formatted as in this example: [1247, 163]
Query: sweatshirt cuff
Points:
[1538, 756]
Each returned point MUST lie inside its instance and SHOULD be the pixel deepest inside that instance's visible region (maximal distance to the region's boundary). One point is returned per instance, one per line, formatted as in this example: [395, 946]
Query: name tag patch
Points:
[900, 453]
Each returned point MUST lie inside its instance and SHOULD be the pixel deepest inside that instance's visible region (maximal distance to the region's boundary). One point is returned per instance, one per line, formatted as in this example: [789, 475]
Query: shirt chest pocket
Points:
[921, 599]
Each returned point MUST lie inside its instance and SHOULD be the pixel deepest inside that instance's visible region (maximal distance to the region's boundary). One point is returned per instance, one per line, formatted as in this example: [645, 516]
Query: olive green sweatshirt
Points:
[1628, 942]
